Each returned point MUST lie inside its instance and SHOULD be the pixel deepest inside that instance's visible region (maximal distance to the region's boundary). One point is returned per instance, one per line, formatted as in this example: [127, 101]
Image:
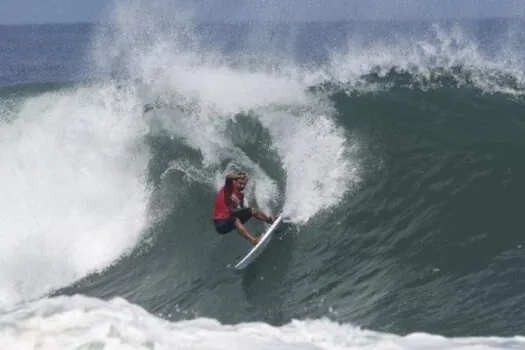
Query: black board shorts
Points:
[223, 226]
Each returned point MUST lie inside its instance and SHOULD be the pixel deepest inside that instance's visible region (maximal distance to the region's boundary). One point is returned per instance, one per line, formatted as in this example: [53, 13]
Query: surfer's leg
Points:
[243, 214]
[225, 225]
[244, 232]
[259, 215]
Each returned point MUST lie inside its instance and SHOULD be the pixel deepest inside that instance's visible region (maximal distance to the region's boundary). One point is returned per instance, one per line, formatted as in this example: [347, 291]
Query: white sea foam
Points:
[73, 190]
[87, 323]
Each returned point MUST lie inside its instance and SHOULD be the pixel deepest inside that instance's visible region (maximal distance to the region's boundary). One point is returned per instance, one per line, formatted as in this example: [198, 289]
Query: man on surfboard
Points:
[229, 211]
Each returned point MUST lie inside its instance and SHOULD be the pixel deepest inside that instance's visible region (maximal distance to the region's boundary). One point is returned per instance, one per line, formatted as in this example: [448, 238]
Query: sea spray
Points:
[74, 192]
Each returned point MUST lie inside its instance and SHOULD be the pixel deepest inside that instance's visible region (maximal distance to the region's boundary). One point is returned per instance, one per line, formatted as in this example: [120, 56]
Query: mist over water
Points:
[204, 93]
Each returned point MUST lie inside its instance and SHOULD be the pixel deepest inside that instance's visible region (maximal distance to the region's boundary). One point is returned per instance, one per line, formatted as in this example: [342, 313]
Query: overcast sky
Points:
[44, 11]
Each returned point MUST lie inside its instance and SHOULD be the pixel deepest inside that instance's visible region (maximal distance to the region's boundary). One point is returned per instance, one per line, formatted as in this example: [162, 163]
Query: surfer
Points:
[229, 211]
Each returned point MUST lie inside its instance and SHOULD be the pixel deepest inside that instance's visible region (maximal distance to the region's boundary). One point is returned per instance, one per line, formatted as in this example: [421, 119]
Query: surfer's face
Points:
[240, 184]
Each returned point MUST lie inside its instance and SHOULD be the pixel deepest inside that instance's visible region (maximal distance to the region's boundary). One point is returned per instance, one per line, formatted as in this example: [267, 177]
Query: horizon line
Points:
[248, 21]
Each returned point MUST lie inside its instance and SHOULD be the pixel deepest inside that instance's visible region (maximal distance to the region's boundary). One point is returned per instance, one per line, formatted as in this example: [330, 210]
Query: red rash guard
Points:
[227, 199]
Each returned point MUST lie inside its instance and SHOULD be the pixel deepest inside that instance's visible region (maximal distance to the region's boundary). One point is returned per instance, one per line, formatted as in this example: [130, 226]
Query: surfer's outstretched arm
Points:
[259, 215]
[244, 232]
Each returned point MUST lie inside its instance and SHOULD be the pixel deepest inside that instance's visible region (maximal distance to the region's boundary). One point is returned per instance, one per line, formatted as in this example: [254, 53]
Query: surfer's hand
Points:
[255, 240]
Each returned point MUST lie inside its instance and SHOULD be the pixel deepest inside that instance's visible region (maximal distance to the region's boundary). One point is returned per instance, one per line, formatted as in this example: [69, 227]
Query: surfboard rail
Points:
[258, 249]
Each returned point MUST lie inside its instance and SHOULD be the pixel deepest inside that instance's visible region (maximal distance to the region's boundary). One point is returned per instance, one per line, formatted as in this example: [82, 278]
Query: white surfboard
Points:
[257, 250]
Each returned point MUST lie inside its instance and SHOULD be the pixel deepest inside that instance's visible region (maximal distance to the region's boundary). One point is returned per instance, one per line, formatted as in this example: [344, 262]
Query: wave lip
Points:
[443, 55]
[206, 92]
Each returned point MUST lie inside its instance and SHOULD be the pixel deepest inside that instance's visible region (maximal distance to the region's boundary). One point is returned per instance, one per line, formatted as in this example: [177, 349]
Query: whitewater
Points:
[107, 180]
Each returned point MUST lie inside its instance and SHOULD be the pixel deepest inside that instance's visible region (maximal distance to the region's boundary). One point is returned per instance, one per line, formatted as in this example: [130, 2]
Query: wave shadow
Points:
[263, 280]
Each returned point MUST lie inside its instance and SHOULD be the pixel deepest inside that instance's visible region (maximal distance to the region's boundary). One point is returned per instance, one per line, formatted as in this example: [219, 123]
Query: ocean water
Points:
[395, 149]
